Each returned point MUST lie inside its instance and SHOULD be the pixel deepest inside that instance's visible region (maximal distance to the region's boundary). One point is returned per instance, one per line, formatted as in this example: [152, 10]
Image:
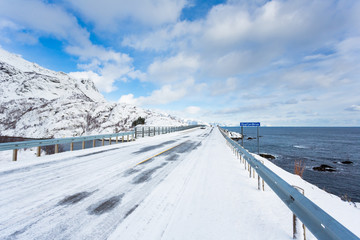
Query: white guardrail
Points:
[57, 141]
[130, 136]
[321, 224]
[143, 131]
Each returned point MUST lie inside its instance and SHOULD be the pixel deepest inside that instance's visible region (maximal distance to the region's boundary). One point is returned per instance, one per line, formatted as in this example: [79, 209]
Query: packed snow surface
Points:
[197, 189]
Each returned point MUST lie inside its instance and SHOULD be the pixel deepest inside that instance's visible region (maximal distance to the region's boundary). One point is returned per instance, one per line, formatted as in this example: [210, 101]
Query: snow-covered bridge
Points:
[183, 185]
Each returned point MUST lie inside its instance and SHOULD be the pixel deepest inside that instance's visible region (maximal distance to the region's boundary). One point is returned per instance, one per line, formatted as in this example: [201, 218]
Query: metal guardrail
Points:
[48, 142]
[321, 224]
[56, 141]
[142, 131]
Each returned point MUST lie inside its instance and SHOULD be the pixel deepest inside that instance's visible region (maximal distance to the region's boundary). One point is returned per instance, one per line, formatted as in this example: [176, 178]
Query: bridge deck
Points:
[184, 185]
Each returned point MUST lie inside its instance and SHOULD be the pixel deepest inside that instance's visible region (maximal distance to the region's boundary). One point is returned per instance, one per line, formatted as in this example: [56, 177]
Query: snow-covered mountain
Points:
[39, 103]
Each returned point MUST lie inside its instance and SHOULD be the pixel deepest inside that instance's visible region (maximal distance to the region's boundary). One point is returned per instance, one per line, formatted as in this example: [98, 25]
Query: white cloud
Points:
[315, 57]
[104, 66]
[6, 24]
[291, 101]
[228, 86]
[236, 39]
[165, 94]
[253, 56]
[173, 69]
[42, 18]
[109, 65]
[168, 37]
[309, 99]
[128, 99]
[353, 108]
[107, 15]
[193, 110]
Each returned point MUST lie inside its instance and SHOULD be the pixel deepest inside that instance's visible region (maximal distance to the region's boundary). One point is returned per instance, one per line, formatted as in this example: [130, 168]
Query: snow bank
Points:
[347, 213]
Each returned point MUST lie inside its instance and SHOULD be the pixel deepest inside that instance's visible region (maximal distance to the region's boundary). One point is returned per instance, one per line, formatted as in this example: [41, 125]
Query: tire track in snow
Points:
[68, 225]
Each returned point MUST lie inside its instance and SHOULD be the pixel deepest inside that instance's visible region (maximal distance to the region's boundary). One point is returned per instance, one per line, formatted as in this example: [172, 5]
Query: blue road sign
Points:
[249, 124]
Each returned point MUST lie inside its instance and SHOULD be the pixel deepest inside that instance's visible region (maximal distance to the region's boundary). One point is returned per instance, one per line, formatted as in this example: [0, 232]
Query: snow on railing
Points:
[130, 136]
[321, 224]
[15, 146]
[142, 131]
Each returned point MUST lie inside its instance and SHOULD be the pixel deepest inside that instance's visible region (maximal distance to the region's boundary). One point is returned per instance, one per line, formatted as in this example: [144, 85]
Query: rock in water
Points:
[324, 168]
[267, 156]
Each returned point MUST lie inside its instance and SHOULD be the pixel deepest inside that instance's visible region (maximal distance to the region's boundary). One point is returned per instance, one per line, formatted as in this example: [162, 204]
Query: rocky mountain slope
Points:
[39, 103]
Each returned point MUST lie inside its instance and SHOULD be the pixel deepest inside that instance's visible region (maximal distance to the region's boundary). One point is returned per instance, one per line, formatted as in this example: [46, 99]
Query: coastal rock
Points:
[347, 162]
[267, 156]
[234, 135]
[324, 168]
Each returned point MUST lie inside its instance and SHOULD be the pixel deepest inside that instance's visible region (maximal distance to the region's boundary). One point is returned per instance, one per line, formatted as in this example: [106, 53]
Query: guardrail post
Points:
[15, 152]
[258, 182]
[294, 216]
[135, 132]
[263, 183]
[122, 138]
[143, 132]
[321, 224]
[158, 130]
[149, 131]
[58, 141]
[38, 153]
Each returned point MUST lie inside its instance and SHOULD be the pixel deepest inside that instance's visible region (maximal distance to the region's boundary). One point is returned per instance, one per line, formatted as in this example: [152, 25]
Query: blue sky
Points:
[284, 63]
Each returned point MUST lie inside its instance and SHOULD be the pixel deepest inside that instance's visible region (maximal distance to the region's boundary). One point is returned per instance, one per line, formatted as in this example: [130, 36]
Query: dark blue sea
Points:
[314, 146]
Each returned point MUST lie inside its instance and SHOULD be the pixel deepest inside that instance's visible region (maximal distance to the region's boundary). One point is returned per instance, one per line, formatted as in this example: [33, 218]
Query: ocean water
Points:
[314, 146]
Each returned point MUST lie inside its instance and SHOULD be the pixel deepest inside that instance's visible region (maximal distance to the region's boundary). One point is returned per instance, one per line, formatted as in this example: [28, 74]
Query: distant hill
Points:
[36, 102]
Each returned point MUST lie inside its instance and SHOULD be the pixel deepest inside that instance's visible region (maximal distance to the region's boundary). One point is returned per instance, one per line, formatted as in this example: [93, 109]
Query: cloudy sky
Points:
[279, 62]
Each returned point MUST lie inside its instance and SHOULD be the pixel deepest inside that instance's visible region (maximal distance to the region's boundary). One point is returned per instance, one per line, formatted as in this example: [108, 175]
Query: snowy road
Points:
[87, 196]
[194, 188]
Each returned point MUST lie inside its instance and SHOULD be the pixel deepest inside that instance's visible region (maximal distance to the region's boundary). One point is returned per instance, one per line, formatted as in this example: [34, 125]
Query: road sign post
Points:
[251, 124]
[242, 136]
